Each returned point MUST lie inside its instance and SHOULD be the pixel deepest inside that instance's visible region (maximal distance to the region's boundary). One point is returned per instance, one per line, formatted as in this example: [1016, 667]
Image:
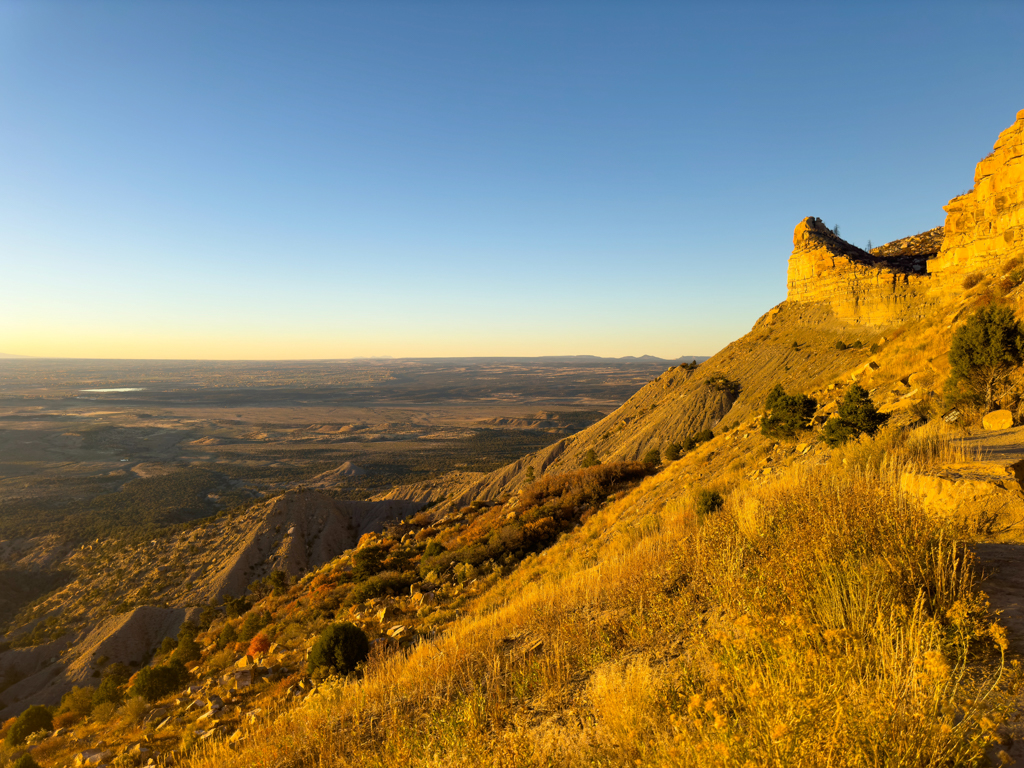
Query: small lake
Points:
[116, 389]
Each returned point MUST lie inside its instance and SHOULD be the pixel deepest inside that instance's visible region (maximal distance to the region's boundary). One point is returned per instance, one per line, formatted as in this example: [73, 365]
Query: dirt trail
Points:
[1004, 445]
[1003, 565]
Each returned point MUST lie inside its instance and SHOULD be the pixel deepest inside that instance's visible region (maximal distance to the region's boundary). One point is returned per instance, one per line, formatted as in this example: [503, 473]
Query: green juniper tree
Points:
[785, 415]
[856, 415]
[985, 350]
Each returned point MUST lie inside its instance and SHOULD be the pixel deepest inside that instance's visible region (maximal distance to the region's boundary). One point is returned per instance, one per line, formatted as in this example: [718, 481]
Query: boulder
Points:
[998, 420]
[92, 757]
[426, 598]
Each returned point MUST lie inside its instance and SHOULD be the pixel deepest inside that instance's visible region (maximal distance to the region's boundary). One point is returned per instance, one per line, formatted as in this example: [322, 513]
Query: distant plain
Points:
[191, 439]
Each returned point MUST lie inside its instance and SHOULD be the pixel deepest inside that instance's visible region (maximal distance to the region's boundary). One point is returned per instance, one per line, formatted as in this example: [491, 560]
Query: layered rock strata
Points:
[876, 288]
[985, 227]
[900, 281]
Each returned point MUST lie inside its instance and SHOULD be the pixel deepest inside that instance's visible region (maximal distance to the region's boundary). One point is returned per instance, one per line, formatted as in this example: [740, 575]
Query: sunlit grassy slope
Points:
[819, 618]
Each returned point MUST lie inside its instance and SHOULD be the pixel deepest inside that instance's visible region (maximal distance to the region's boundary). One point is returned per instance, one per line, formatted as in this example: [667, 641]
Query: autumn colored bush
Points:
[66, 719]
[259, 645]
[557, 493]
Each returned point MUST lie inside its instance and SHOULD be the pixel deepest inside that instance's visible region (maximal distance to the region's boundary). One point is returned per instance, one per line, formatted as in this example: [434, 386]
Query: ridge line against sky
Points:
[269, 180]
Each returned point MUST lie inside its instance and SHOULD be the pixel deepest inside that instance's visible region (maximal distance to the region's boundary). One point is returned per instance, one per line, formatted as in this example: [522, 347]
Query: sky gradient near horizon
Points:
[284, 180]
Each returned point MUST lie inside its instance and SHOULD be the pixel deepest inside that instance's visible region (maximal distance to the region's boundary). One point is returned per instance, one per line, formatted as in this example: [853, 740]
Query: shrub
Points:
[652, 458]
[984, 351]
[235, 606]
[340, 648]
[857, 415]
[368, 561]
[78, 701]
[227, 636]
[381, 584]
[187, 650]
[561, 493]
[167, 645]
[114, 676]
[135, 709]
[259, 645]
[66, 719]
[972, 280]
[692, 441]
[433, 548]
[278, 582]
[25, 761]
[786, 414]
[722, 384]
[708, 501]
[1010, 281]
[153, 683]
[35, 718]
[672, 452]
[209, 615]
[840, 345]
[1012, 265]
[253, 623]
[103, 711]
[590, 459]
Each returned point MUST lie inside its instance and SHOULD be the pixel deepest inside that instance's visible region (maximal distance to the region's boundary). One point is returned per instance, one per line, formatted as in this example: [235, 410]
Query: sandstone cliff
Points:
[903, 280]
[880, 287]
[985, 227]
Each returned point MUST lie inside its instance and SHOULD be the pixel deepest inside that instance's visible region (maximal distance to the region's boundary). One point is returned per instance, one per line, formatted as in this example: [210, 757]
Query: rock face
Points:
[985, 227]
[881, 287]
[901, 280]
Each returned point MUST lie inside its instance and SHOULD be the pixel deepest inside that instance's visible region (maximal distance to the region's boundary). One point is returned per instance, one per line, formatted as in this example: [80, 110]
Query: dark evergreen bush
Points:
[383, 583]
[708, 501]
[153, 683]
[187, 650]
[434, 548]
[785, 415]
[254, 621]
[114, 676]
[340, 648]
[652, 458]
[857, 415]
[35, 718]
[368, 561]
[227, 635]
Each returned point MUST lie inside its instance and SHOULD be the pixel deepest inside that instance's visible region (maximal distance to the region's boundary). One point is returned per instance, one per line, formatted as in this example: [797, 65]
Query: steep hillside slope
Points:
[124, 601]
[759, 601]
[837, 292]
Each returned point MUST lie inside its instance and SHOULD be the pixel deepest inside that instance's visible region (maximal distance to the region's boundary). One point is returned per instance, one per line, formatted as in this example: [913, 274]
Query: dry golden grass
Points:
[820, 619]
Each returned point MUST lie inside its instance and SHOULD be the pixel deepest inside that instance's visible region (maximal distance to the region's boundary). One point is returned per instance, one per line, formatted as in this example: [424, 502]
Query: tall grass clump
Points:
[821, 619]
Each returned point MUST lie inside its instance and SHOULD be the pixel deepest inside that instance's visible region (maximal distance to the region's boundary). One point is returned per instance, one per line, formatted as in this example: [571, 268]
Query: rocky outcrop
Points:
[985, 227]
[871, 288]
[902, 280]
[294, 533]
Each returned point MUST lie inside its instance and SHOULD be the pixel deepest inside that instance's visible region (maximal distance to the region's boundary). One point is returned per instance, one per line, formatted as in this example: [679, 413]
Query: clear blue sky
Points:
[289, 179]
